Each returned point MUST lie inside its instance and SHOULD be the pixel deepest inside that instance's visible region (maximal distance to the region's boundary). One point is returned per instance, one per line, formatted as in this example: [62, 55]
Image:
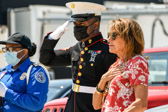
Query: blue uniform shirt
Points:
[21, 97]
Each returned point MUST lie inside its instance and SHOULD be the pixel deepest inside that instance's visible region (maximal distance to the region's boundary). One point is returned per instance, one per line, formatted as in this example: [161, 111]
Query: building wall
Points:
[6, 4]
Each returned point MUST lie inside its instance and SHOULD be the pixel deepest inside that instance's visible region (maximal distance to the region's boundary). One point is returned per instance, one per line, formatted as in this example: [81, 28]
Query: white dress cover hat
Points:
[85, 8]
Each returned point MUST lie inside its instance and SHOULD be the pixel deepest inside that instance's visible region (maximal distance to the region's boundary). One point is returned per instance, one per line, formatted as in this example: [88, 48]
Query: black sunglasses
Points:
[113, 35]
[9, 49]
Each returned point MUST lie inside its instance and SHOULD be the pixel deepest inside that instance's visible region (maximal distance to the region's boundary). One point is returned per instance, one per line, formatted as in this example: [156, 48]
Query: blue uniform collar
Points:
[25, 64]
[8, 68]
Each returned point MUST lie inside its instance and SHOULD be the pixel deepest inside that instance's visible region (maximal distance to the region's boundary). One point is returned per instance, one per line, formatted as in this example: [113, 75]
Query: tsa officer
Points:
[23, 84]
[89, 57]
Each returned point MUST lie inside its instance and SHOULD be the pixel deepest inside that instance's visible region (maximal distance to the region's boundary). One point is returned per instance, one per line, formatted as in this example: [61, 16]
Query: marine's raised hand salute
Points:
[59, 31]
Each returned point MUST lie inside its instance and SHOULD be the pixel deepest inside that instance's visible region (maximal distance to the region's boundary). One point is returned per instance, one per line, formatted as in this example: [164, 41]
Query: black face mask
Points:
[80, 32]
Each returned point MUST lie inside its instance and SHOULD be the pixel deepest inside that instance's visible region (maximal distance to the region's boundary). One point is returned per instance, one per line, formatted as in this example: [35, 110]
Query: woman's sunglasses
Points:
[112, 36]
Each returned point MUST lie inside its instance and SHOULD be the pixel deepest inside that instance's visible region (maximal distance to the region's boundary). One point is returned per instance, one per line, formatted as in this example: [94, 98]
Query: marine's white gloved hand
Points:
[3, 89]
[59, 31]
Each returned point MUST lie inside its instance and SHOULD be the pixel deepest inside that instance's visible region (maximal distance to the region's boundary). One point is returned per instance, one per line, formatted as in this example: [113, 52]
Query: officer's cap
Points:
[18, 38]
[82, 11]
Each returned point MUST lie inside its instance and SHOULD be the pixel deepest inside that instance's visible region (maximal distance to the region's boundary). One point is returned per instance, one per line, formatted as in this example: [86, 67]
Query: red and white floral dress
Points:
[121, 91]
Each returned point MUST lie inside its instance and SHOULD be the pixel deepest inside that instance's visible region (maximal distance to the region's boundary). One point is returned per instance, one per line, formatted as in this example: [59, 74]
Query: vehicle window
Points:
[158, 68]
[61, 110]
[47, 110]
[55, 110]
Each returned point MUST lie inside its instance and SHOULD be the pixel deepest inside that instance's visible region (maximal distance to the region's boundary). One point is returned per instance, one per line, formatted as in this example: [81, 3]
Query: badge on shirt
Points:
[94, 53]
[40, 77]
[23, 76]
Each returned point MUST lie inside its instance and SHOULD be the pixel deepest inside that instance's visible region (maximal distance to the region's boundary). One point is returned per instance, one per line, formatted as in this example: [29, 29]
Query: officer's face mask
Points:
[11, 57]
[80, 32]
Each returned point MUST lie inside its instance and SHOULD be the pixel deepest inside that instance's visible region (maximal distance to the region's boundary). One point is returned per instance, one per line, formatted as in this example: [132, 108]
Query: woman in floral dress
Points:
[128, 76]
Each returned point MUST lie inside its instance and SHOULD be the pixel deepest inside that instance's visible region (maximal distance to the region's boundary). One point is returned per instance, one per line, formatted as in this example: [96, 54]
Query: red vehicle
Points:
[57, 105]
[158, 81]
[158, 78]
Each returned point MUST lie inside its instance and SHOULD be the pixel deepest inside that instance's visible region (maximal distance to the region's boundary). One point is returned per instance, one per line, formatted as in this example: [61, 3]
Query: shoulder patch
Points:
[40, 77]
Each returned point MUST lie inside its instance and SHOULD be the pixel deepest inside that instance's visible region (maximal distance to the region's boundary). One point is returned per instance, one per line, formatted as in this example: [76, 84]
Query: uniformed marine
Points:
[90, 57]
[23, 84]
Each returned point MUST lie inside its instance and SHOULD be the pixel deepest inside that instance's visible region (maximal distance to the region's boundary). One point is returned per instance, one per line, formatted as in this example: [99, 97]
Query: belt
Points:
[83, 89]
